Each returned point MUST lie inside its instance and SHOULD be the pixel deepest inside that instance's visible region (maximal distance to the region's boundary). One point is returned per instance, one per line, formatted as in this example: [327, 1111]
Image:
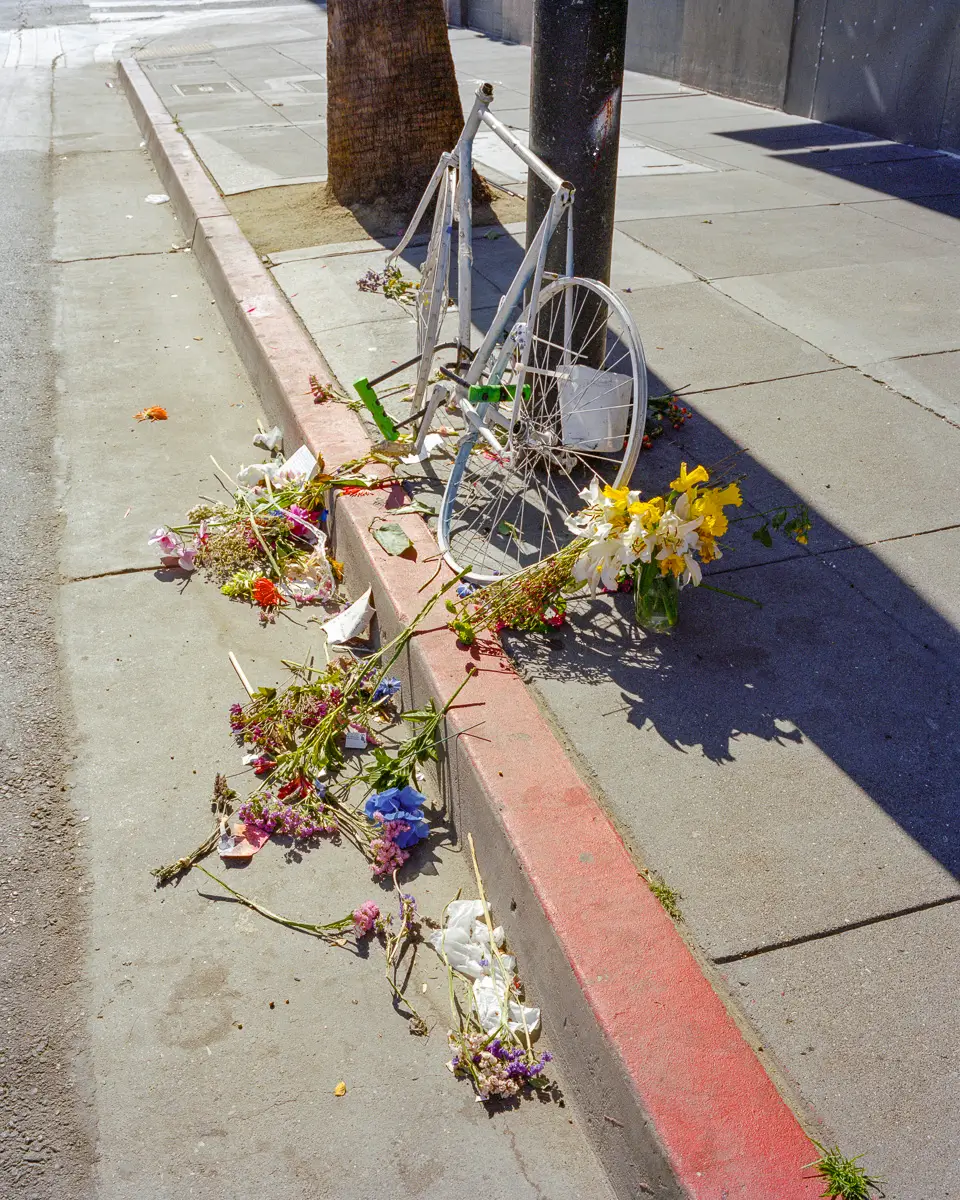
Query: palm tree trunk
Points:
[393, 104]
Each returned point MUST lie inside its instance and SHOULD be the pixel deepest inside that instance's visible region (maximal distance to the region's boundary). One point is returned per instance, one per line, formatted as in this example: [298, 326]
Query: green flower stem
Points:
[321, 931]
[393, 943]
[735, 595]
[183, 865]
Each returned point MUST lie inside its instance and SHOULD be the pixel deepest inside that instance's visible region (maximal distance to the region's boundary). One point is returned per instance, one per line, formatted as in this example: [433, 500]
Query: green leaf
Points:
[392, 539]
[763, 535]
[508, 530]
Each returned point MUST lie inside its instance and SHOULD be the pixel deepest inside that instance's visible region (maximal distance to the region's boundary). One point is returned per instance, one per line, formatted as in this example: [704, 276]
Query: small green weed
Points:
[845, 1179]
[669, 898]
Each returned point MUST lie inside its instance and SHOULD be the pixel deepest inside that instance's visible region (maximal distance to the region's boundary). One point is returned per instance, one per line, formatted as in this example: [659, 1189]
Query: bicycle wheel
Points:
[433, 294]
[576, 364]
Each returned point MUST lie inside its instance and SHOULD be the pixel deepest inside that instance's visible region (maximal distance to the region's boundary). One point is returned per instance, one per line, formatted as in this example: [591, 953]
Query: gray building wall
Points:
[889, 67]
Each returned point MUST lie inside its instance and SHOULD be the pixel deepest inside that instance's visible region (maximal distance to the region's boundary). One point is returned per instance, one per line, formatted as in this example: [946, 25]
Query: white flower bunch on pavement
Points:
[465, 944]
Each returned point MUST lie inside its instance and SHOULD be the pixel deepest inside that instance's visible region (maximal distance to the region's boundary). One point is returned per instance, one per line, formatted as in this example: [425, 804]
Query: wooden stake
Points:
[239, 670]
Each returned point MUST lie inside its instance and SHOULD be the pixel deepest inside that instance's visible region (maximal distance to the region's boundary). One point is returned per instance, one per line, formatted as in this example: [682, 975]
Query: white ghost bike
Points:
[554, 396]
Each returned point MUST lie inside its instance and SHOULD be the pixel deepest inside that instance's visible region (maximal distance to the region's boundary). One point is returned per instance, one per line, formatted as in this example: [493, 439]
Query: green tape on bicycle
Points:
[494, 393]
[377, 411]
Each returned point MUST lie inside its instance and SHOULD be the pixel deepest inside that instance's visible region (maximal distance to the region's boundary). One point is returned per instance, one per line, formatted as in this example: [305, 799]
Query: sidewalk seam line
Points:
[64, 580]
[64, 262]
[822, 935]
[900, 537]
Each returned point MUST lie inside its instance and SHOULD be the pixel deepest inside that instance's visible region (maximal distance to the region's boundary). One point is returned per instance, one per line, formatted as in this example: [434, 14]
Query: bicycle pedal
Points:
[380, 415]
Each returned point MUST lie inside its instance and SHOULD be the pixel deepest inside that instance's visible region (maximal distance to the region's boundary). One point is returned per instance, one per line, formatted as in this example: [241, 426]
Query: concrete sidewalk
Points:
[790, 770]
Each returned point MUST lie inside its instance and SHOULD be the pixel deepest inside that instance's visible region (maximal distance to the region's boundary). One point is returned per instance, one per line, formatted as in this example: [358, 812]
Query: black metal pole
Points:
[576, 83]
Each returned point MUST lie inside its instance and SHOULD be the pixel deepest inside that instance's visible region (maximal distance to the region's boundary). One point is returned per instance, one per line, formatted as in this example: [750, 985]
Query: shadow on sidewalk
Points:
[893, 170]
[844, 653]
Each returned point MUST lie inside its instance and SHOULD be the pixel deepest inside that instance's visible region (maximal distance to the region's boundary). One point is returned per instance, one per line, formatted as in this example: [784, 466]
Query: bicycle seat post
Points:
[465, 219]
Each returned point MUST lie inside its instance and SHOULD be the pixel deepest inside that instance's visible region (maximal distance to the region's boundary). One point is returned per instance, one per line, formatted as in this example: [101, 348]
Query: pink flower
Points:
[187, 559]
[388, 856]
[169, 545]
[297, 527]
[203, 534]
[364, 918]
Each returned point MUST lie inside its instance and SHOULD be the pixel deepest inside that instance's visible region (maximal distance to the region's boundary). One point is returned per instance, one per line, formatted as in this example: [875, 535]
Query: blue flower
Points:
[385, 688]
[401, 804]
[464, 590]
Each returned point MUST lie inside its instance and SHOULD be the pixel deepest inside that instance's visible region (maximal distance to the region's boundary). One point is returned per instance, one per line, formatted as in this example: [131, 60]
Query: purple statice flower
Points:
[275, 817]
[389, 856]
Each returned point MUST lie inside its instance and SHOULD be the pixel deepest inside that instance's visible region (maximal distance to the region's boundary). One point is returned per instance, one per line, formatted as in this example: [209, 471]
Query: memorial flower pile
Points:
[653, 547]
[267, 544]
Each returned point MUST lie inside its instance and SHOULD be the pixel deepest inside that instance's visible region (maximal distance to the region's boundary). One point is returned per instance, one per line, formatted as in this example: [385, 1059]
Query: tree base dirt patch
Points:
[295, 215]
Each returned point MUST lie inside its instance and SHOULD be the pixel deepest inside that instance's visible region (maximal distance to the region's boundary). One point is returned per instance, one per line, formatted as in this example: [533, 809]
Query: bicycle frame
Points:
[531, 269]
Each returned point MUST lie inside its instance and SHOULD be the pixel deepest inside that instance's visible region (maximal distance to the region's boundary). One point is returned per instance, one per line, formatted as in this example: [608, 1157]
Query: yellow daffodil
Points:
[686, 481]
[647, 512]
[710, 505]
[708, 548]
[618, 497]
[672, 564]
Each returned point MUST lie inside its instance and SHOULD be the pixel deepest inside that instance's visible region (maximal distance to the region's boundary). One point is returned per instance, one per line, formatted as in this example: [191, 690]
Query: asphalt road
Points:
[37, 14]
[44, 1147]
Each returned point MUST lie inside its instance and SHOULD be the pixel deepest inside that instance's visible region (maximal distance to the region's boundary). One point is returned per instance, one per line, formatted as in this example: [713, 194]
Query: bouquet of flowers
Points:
[267, 545]
[653, 547]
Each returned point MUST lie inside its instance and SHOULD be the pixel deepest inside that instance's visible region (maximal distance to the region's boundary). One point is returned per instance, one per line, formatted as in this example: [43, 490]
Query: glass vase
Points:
[656, 599]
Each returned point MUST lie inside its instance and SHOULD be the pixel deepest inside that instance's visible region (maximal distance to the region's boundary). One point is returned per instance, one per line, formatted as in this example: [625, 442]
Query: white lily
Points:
[257, 474]
[601, 563]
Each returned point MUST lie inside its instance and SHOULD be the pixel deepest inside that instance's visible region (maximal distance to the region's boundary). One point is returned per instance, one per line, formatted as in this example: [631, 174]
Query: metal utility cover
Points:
[218, 87]
[179, 66]
[175, 51]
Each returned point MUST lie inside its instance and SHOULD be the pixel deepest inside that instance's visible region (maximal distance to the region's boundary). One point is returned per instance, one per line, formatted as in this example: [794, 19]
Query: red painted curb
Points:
[676, 1101]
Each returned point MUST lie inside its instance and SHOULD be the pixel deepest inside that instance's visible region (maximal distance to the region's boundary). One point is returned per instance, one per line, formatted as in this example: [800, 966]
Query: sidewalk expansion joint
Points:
[823, 934]
[865, 371]
[731, 387]
[108, 574]
[771, 562]
[60, 262]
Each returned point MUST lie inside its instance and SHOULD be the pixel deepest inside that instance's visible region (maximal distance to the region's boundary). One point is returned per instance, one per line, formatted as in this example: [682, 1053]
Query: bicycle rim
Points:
[578, 365]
